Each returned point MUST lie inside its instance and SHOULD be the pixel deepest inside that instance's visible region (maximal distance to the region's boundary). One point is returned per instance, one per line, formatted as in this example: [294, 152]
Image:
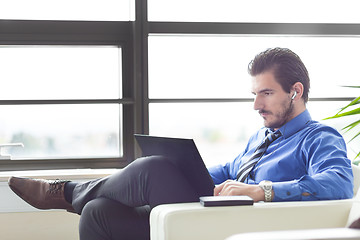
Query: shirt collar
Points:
[295, 124]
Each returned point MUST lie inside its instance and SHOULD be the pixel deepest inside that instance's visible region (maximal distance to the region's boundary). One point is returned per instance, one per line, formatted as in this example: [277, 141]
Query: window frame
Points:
[249, 29]
[132, 36]
[246, 30]
[77, 33]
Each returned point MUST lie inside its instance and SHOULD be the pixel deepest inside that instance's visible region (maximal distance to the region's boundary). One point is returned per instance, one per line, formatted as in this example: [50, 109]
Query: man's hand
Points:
[233, 188]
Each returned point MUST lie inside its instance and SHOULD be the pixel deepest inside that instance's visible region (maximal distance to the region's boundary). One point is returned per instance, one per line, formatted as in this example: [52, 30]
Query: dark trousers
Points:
[118, 206]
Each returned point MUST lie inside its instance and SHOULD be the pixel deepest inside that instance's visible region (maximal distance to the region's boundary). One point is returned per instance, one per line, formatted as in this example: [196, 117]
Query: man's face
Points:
[271, 101]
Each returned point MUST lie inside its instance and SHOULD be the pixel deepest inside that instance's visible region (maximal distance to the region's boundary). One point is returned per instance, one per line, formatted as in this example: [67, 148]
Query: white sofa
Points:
[193, 221]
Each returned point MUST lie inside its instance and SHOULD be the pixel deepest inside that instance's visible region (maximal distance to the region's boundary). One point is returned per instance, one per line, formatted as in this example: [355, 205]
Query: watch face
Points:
[265, 183]
[267, 187]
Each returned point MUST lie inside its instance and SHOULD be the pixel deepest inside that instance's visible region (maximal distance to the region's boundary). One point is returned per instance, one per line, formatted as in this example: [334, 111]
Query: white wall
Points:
[18, 220]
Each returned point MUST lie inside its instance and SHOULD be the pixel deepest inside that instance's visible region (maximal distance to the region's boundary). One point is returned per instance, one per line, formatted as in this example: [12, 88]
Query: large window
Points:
[62, 130]
[66, 94]
[187, 70]
[77, 82]
[274, 11]
[61, 73]
[104, 10]
[216, 66]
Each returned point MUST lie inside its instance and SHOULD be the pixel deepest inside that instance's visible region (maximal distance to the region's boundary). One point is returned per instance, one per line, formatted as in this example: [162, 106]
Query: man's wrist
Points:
[268, 192]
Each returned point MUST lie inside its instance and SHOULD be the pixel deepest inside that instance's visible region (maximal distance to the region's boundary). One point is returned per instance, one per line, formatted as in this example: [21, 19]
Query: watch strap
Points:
[267, 187]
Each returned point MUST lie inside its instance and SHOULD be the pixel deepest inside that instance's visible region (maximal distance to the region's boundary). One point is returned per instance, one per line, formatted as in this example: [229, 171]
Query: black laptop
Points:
[184, 154]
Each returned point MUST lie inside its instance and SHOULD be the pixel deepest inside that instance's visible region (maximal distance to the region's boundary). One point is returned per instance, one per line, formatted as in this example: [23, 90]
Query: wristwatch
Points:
[267, 187]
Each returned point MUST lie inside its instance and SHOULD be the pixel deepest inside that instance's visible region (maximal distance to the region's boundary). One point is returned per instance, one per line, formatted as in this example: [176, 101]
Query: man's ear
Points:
[298, 89]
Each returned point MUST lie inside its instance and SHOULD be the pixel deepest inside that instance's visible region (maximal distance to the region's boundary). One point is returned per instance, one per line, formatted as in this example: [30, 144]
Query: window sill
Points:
[66, 174]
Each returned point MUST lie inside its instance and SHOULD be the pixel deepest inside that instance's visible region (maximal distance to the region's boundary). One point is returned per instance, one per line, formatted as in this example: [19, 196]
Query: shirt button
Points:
[288, 193]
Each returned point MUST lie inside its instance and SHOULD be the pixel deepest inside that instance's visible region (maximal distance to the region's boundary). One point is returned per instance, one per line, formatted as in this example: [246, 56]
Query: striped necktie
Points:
[246, 168]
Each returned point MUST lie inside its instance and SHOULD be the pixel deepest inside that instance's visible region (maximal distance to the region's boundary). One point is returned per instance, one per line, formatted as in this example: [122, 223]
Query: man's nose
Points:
[257, 103]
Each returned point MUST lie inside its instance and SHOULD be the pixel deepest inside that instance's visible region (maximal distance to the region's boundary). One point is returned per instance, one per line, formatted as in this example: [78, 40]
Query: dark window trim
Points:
[315, 29]
[36, 32]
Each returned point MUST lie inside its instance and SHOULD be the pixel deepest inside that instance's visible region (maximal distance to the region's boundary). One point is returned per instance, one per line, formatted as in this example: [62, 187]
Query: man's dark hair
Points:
[287, 68]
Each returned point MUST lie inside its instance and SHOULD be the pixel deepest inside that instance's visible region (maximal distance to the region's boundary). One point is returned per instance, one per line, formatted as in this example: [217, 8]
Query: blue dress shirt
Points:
[309, 157]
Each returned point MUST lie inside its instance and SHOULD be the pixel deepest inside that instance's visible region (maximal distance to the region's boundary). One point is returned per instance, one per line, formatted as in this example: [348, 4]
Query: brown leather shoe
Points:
[41, 194]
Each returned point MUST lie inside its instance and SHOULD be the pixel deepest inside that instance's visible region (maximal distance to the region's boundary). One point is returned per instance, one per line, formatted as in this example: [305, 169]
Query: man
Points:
[308, 162]
[299, 159]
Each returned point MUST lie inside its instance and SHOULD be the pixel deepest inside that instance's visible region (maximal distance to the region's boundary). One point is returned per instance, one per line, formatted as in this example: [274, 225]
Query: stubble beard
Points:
[281, 118]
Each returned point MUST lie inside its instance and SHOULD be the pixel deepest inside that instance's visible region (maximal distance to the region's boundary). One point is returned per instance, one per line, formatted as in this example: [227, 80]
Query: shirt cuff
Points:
[287, 191]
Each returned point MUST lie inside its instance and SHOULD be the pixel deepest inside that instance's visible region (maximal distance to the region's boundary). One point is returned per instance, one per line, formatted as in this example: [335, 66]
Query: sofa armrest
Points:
[193, 221]
[312, 234]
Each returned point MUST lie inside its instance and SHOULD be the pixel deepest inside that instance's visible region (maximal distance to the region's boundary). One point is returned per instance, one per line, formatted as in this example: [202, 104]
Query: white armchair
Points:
[193, 221]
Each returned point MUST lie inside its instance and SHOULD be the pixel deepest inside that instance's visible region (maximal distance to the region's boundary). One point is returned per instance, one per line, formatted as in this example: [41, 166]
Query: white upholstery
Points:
[193, 221]
[313, 234]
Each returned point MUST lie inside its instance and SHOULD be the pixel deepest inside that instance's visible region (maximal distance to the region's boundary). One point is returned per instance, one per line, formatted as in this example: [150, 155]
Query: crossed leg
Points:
[150, 181]
[118, 206]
